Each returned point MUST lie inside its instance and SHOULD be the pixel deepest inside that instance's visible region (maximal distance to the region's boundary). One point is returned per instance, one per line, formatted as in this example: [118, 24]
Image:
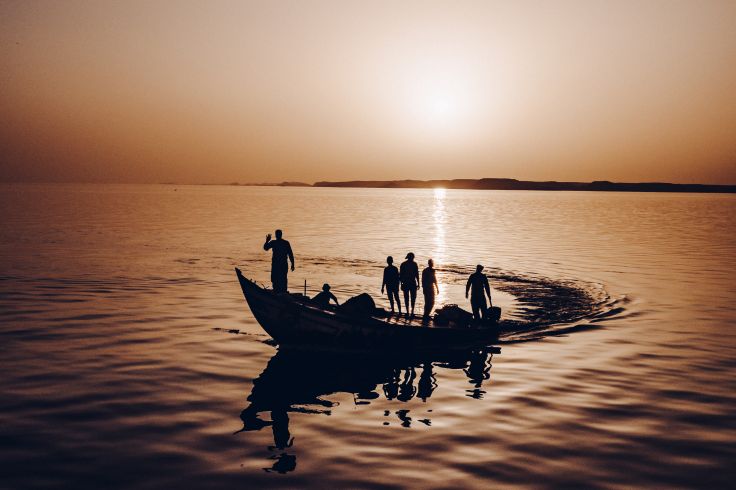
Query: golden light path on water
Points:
[439, 251]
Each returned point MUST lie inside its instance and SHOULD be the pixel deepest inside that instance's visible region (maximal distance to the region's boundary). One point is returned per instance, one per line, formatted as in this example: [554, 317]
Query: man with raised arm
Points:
[279, 265]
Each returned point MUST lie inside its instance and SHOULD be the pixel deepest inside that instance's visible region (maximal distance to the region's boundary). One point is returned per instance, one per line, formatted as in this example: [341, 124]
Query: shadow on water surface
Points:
[299, 381]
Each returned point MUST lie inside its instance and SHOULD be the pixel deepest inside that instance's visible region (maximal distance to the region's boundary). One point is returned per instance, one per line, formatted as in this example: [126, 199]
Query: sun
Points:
[437, 99]
[441, 107]
[438, 109]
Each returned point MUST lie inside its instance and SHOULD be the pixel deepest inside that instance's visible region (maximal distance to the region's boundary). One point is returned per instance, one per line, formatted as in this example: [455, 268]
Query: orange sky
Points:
[154, 91]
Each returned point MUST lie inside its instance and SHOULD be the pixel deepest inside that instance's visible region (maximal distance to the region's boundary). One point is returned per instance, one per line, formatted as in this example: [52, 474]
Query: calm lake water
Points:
[128, 352]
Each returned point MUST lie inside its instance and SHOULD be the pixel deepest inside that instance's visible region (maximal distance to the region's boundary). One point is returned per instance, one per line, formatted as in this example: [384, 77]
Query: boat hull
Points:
[297, 324]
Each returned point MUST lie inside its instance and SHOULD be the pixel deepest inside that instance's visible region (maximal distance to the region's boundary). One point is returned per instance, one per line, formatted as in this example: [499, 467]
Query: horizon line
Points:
[386, 183]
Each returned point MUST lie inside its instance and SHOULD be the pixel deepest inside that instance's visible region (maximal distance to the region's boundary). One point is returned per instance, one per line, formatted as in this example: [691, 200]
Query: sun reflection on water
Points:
[439, 250]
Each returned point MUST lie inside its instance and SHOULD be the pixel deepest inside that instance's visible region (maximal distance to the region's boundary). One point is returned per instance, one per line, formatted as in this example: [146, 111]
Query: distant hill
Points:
[280, 184]
[294, 184]
[527, 185]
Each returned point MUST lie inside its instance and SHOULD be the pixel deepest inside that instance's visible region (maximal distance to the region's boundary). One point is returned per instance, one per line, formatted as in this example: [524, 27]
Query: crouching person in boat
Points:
[324, 297]
[279, 265]
[478, 287]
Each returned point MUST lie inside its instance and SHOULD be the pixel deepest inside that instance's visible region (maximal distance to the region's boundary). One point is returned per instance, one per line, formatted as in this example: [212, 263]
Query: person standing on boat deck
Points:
[429, 283]
[391, 283]
[323, 297]
[409, 276]
[279, 266]
[478, 287]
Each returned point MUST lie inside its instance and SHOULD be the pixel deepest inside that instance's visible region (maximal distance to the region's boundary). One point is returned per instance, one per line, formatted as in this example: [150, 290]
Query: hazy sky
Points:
[207, 91]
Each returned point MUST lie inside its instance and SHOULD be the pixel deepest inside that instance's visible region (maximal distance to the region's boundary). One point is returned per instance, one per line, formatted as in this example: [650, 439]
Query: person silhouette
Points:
[409, 276]
[391, 283]
[429, 284]
[279, 266]
[323, 297]
[478, 287]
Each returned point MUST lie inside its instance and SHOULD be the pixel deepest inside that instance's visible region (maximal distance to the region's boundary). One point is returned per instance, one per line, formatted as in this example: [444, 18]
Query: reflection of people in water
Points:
[427, 382]
[404, 417]
[478, 370]
[281, 436]
[279, 424]
[391, 283]
[406, 388]
[409, 275]
[429, 284]
[279, 266]
[391, 387]
[284, 463]
[299, 382]
[324, 297]
[478, 287]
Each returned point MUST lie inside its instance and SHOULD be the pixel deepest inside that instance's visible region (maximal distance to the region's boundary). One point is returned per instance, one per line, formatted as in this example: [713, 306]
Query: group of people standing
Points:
[406, 277]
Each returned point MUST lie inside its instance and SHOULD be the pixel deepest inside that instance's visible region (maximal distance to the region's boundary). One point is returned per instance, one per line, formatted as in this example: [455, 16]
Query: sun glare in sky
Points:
[440, 103]
[440, 109]
[329, 90]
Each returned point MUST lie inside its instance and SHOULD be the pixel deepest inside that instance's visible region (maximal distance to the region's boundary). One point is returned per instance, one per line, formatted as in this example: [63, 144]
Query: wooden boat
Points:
[293, 320]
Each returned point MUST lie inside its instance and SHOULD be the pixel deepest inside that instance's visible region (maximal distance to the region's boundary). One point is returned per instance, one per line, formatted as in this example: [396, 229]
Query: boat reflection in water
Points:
[296, 381]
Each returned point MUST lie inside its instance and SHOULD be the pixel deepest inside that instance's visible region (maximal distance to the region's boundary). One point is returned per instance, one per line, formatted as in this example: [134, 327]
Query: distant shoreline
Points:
[469, 184]
[513, 184]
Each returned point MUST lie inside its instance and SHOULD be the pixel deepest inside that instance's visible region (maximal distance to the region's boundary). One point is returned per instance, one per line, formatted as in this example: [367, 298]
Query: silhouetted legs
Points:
[428, 301]
[393, 294]
[279, 278]
[479, 306]
[410, 295]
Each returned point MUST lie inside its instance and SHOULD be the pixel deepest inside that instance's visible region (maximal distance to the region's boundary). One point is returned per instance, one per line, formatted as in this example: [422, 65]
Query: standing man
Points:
[409, 275]
[478, 287]
[429, 283]
[391, 283]
[279, 265]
